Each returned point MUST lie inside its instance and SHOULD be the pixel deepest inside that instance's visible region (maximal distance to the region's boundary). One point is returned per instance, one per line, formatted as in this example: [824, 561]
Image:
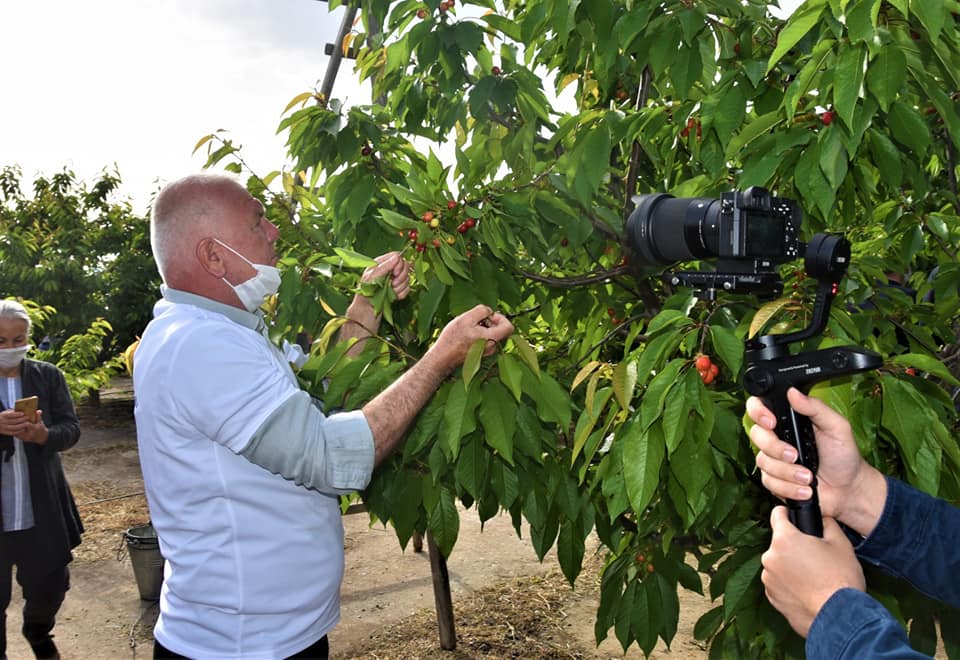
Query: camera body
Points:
[748, 232]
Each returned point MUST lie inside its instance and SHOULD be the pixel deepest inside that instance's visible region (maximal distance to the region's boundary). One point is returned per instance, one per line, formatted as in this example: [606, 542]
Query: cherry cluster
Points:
[708, 371]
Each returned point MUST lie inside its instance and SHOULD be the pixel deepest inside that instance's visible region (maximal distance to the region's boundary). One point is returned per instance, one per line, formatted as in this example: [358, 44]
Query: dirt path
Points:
[104, 618]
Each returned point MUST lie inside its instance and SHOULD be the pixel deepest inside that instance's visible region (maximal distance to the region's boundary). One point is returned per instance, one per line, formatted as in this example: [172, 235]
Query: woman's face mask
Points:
[14, 344]
[11, 357]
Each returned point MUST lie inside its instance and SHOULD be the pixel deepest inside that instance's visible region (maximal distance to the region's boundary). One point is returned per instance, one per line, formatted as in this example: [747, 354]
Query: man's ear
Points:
[210, 258]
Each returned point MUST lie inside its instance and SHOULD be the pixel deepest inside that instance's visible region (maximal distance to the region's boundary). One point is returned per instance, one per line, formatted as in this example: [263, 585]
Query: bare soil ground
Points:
[506, 602]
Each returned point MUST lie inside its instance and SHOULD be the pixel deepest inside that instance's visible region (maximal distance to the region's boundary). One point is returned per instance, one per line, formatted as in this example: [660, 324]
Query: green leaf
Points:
[669, 608]
[908, 128]
[708, 624]
[570, 550]
[740, 582]
[471, 364]
[861, 19]
[624, 382]
[676, 411]
[553, 402]
[498, 415]
[932, 14]
[511, 374]
[593, 149]
[926, 363]
[848, 79]
[833, 157]
[692, 465]
[653, 399]
[458, 418]
[728, 346]
[686, 68]
[351, 259]
[445, 522]
[527, 354]
[887, 75]
[800, 22]
[730, 112]
[472, 467]
[643, 452]
[907, 417]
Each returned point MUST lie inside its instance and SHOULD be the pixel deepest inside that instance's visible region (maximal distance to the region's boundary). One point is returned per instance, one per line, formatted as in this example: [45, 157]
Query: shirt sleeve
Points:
[332, 454]
[852, 624]
[917, 538]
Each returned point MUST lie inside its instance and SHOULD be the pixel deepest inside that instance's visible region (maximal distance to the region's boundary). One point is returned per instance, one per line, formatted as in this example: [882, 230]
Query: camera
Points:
[749, 232]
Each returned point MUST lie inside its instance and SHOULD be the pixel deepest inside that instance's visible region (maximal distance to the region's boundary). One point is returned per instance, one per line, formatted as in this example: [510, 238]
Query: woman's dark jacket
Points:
[55, 515]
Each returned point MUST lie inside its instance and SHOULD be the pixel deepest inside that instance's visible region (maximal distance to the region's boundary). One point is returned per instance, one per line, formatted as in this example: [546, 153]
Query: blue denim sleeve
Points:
[918, 539]
[852, 624]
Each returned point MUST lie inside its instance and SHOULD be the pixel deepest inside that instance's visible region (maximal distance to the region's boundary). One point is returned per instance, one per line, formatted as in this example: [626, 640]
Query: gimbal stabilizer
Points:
[771, 370]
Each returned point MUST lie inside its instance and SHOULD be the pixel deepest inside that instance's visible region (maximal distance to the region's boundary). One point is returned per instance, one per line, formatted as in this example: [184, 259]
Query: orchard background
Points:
[594, 418]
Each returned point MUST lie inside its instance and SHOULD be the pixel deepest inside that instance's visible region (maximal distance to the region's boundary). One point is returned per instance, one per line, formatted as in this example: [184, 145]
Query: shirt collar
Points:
[254, 321]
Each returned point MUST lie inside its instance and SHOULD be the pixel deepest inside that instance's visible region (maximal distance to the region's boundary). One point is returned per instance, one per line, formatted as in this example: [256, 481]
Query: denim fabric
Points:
[916, 538]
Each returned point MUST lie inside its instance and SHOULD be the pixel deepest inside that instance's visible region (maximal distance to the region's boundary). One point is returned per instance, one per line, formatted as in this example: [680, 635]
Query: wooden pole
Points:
[441, 595]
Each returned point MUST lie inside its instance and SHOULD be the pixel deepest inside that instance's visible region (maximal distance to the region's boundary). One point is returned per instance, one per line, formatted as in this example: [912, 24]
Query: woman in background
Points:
[39, 523]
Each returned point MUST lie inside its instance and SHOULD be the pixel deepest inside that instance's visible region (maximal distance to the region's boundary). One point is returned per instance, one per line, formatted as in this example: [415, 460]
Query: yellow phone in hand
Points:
[28, 406]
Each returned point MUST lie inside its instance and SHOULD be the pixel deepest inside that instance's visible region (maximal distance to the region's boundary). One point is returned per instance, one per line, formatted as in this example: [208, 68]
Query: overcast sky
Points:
[89, 85]
[134, 84]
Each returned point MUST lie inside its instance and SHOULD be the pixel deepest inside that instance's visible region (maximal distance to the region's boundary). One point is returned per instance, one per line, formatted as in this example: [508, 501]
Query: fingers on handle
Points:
[760, 414]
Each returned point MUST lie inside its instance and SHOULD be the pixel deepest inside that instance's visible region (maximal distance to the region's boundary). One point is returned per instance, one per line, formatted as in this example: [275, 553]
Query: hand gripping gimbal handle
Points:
[797, 430]
[771, 371]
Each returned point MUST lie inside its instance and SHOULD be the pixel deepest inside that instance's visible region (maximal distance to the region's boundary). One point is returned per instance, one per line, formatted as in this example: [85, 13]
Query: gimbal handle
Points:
[769, 376]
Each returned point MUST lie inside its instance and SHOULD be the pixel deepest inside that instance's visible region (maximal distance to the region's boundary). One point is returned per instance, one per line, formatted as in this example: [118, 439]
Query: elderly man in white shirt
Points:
[242, 468]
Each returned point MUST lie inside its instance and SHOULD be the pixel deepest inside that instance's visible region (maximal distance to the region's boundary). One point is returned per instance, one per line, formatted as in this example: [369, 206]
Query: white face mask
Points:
[11, 357]
[258, 288]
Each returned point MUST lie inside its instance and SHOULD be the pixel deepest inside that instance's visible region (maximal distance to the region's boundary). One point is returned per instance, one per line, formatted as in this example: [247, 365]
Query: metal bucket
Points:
[144, 549]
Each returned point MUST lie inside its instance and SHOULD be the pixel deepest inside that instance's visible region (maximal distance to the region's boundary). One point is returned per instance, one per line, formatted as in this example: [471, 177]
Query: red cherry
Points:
[421, 13]
[470, 223]
[436, 242]
[827, 117]
[495, 70]
[451, 205]
[421, 247]
[463, 228]
[366, 151]
[428, 216]
[412, 235]
[703, 363]
[611, 312]
[564, 242]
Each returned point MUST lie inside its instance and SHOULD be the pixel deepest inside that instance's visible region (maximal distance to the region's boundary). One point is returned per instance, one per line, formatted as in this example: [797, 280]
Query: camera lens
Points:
[664, 229]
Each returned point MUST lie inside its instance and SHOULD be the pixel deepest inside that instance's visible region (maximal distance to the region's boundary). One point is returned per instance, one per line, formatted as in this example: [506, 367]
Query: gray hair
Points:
[11, 309]
[182, 208]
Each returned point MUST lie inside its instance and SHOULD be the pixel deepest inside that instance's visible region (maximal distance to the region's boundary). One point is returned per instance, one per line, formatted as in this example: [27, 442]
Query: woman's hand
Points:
[16, 423]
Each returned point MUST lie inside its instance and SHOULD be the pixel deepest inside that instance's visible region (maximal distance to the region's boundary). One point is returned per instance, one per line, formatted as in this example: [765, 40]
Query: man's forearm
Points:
[362, 323]
[390, 413]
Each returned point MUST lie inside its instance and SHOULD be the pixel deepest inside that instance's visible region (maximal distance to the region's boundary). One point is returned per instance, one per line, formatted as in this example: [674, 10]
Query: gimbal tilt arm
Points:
[771, 370]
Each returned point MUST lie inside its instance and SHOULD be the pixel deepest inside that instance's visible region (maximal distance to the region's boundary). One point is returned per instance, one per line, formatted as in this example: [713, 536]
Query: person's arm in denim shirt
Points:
[917, 538]
[852, 624]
